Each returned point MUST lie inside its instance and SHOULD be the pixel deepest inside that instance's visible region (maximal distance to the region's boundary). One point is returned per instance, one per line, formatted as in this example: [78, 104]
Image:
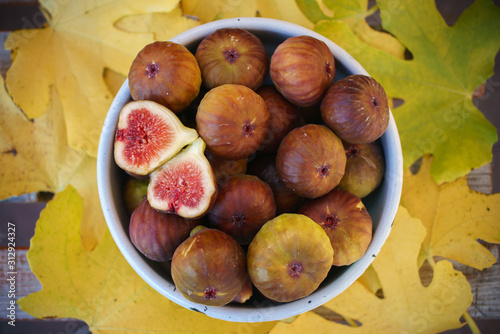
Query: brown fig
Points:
[356, 109]
[226, 167]
[365, 168]
[243, 205]
[289, 257]
[233, 120]
[232, 56]
[311, 160]
[346, 221]
[284, 117]
[264, 167]
[156, 234]
[302, 68]
[167, 73]
[209, 268]
[147, 135]
[185, 185]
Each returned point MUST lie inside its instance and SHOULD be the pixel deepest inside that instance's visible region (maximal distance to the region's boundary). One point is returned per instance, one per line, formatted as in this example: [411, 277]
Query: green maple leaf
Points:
[437, 85]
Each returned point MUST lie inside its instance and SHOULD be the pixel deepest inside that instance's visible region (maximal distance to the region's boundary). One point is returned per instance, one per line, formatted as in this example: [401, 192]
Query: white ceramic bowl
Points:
[382, 204]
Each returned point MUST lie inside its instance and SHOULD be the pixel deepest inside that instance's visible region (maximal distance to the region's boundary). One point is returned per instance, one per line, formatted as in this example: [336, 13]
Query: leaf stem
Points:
[350, 321]
[471, 323]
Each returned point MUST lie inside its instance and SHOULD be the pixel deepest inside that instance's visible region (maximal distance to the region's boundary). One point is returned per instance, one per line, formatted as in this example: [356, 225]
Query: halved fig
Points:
[243, 205]
[345, 220]
[167, 73]
[147, 135]
[185, 185]
[289, 257]
[232, 56]
[157, 234]
[233, 120]
[311, 160]
[209, 268]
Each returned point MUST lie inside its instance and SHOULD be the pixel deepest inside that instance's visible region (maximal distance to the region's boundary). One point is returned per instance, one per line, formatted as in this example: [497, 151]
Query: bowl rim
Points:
[271, 311]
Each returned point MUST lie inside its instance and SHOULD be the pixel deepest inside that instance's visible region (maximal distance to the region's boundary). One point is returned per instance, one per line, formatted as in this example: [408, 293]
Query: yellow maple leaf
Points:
[164, 26]
[70, 54]
[98, 286]
[34, 154]
[207, 11]
[455, 217]
[407, 306]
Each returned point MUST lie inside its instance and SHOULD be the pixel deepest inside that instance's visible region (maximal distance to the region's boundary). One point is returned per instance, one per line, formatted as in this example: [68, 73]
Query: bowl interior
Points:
[382, 204]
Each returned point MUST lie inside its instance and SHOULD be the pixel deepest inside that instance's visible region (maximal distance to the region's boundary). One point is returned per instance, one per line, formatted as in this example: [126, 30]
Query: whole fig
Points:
[284, 117]
[302, 68]
[289, 257]
[365, 168]
[156, 234]
[233, 120]
[243, 205]
[232, 56]
[209, 268]
[311, 160]
[356, 109]
[167, 73]
[346, 221]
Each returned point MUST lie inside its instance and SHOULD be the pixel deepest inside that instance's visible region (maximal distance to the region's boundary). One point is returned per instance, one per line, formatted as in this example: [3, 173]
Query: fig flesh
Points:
[311, 160]
[232, 56]
[365, 168]
[356, 109]
[209, 268]
[167, 73]
[233, 120]
[302, 68]
[346, 221]
[156, 234]
[243, 205]
[284, 117]
[185, 185]
[289, 257]
[147, 135]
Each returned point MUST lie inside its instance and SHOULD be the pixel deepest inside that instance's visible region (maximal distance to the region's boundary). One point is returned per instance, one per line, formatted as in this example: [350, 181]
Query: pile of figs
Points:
[246, 171]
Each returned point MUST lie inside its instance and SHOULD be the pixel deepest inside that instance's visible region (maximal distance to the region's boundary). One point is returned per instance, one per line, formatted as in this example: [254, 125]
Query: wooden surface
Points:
[24, 211]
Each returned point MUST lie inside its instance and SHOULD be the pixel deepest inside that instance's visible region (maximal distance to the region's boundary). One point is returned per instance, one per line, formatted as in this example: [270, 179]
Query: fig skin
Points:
[284, 117]
[365, 168]
[156, 234]
[134, 191]
[243, 205]
[209, 268]
[264, 167]
[232, 56]
[185, 185]
[311, 160]
[302, 68]
[147, 135]
[233, 120]
[289, 257]
[156, 67]
[345, 220]
[224, 167]
[356, 109]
